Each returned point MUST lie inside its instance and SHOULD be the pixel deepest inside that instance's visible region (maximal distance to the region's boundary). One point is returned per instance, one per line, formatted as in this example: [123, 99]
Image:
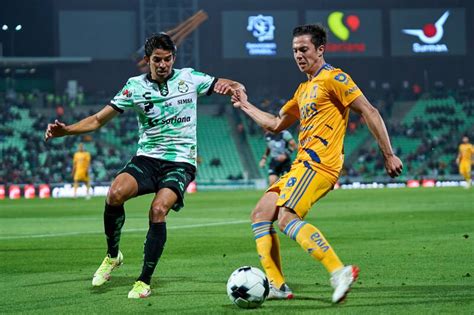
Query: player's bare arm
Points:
[265, 120]
[91, 123]
[227, 87]
[376, 125]
[263, 160]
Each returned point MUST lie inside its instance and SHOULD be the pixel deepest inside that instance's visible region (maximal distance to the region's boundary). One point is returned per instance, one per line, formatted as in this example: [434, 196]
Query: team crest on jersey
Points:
[183, 87]
[291, 182]
[127, 93]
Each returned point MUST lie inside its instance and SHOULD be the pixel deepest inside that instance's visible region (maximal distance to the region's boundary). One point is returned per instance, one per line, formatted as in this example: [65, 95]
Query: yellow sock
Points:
[269, 251]
[314, 243]
[275, 252]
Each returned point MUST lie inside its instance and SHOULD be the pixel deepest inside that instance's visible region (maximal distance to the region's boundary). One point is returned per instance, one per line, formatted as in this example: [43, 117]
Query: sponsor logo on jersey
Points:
[176, 120]
[351, 90]
[185, 101]
[152, 122]
[342, 77]
[429, 35]
[308, 110]
[127, 93]
[183, 87]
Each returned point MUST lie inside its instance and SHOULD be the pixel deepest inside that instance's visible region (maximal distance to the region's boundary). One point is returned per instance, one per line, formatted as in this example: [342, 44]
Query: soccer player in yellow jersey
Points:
[80, 168]
[321, 104]
[464, 160]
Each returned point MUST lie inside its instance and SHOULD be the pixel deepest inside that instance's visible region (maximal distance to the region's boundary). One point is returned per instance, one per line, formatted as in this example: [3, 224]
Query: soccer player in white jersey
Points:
[165, 102]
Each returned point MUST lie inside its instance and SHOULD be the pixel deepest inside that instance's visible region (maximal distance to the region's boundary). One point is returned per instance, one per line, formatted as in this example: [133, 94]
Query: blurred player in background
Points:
[322, 105]
[280, 146]
[464, 160]
[80, 169]
[165, 101]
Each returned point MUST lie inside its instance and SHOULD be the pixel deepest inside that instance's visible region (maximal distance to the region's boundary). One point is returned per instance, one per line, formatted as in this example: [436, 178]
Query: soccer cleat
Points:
[341, 281]
[283, 293]
[102, 275]
[140, 290]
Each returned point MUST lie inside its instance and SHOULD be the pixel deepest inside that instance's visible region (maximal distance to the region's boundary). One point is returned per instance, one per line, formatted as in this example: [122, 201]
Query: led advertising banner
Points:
[254, 34]
[351, 33]
[434, 32]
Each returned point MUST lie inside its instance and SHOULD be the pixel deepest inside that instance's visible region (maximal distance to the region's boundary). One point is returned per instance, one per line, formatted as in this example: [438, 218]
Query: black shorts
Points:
[279, 168]
[154, 174]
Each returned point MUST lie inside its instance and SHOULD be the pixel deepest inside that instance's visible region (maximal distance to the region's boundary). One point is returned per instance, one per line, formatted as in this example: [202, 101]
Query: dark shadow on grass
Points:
[57, 282]
[114, 282]
[414, 295]
[430, 301]
[36, 249]
[308, 298]
[127, 281]
[418, 290]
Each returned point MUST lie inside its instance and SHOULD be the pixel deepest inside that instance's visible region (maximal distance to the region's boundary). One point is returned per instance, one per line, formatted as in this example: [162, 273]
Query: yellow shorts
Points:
[465, 169]
[81, 177]
[300, 188]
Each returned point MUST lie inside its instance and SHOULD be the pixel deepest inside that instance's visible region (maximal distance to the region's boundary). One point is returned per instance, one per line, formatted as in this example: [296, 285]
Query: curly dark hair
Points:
[159, 41]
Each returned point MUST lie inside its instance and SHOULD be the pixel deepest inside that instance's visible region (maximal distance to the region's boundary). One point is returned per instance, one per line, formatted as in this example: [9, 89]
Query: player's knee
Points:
[259, 214]
[116, 196]
[158, 212]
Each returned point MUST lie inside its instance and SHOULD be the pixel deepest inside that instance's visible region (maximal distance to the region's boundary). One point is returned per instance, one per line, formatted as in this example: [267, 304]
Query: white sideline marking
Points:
[176, 227]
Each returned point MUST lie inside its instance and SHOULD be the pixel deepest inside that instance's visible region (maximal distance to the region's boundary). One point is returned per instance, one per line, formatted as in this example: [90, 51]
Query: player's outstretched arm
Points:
[265, 120]
[227, 87]
[376, 125]
[91, 123]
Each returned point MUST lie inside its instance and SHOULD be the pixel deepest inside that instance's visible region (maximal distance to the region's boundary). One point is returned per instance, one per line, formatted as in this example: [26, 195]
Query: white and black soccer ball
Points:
[247, 287]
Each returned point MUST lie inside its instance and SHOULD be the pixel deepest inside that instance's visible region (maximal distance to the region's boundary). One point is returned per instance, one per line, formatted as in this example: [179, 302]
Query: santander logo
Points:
[430, 35]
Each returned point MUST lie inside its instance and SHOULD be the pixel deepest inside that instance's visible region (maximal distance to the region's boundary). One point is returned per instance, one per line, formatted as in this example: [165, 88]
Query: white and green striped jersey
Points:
[166, 113]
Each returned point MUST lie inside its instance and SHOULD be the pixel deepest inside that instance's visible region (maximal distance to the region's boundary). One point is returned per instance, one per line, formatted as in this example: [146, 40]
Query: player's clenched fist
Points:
[222, 87]
[393, 165]
[239, 98]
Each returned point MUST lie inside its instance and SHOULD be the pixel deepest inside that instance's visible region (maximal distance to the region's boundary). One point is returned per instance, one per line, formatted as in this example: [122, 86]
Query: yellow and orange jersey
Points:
[82, 161]
[322, 107]
[466, 151]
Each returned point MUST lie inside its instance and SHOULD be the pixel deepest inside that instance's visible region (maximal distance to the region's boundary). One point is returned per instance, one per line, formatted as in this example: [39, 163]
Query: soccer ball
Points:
[247, 287]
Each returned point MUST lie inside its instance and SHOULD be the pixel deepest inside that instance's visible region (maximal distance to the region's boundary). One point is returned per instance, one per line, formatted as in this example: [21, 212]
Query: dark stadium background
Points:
[102, 36]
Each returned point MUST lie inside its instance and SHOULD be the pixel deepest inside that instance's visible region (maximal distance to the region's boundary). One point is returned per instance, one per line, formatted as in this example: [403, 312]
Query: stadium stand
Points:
[217, 150]
[28, 159]
[426, 137]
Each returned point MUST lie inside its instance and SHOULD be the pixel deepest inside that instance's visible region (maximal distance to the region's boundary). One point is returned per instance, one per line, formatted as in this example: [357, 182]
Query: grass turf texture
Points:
[414, 246]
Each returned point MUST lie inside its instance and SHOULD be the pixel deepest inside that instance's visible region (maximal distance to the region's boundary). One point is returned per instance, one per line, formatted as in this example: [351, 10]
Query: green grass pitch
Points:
[415, 248]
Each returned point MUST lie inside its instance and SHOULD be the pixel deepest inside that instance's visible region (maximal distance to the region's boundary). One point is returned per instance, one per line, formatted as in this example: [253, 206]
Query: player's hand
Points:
[262, 163]
[393, 165]
[239, 97]
[281, 157]
[57, 129]
[223, 87]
